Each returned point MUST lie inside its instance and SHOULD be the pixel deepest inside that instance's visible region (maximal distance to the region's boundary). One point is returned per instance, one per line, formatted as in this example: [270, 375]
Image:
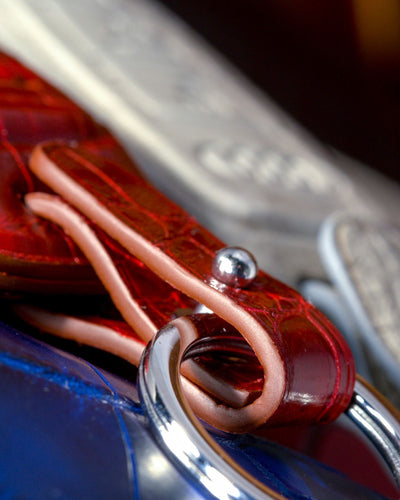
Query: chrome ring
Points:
[183, 438]
[178, 431]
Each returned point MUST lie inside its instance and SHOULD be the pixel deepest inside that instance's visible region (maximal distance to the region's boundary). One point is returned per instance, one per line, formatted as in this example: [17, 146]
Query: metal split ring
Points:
[193, 450]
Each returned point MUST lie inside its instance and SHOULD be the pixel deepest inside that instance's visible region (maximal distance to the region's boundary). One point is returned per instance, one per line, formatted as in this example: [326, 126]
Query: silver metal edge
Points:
[337, 272]
[379, 422]
[178, 431]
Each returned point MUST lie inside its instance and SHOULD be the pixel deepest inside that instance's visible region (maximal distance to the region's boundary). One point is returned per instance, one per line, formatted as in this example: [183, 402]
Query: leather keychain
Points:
[299, 350]
[133, 236]
[124, 218]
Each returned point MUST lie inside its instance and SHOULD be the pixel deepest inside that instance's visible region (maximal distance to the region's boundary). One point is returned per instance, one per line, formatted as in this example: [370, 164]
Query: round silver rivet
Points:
[234, 266]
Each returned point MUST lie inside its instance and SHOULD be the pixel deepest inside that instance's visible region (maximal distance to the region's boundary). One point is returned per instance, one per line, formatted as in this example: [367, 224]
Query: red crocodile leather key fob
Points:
[304, 358]
[153, 258]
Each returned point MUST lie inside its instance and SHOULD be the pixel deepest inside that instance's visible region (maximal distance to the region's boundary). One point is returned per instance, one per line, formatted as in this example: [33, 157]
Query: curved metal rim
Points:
[379, 421]
[183, 438]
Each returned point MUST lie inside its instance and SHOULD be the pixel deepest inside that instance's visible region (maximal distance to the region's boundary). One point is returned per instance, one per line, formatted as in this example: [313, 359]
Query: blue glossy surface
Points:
[62, 436]
[69, 430]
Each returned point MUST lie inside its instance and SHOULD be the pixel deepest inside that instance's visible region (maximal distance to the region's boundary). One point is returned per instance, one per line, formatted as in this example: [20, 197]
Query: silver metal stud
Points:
[234, 266]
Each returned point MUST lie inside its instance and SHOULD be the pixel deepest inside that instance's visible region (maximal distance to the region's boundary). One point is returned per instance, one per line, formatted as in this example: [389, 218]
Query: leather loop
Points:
[308, 370]
[154, 260]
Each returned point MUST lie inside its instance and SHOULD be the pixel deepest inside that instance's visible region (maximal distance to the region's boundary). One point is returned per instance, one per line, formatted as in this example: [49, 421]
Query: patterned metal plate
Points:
[362, 259]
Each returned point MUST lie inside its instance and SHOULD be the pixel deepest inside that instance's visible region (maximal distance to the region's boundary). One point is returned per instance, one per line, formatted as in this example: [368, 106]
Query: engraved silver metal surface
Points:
[269, 167]
[234, 266]
[200, 130]
[182, 437]
[362, 259]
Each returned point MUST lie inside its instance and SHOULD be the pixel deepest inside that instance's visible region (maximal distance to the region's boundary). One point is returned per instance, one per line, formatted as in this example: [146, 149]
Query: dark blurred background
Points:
[334, 65]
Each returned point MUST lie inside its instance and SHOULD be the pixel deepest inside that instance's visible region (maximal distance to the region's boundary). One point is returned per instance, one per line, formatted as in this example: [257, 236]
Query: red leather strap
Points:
[308, 369]
[36, 256]
[155, 260]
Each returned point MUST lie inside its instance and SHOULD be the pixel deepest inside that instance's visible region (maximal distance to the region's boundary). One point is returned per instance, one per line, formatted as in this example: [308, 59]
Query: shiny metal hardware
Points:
[379, 422]
[179, 433]
[234, 266]
[183, 438]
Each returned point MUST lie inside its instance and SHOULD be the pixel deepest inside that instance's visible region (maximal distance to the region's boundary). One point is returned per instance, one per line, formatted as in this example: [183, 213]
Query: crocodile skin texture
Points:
[35, 255]
[155, 261]
[310, 361]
